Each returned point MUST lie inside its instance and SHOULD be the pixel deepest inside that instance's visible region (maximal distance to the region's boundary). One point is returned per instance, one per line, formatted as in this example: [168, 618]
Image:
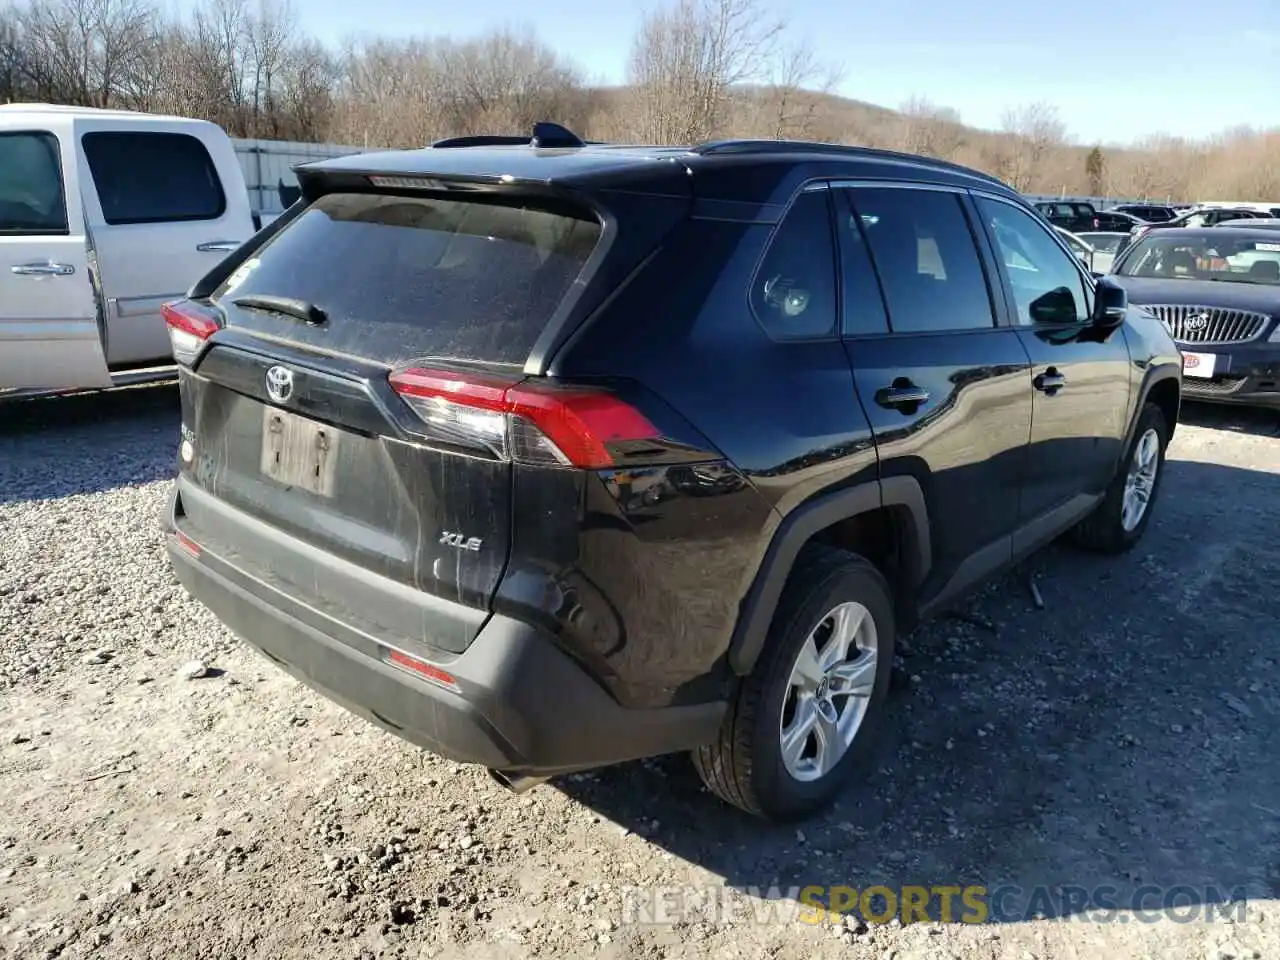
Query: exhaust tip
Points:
[516, 782]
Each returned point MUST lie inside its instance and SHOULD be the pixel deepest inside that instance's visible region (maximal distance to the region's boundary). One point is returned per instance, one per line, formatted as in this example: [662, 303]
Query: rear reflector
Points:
[422, 669]
[187, 544]
[523, 421]
[189, 327]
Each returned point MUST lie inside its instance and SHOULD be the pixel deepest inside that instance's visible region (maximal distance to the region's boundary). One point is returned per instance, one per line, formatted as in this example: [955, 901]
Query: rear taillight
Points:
[522, 421]
[189, 327]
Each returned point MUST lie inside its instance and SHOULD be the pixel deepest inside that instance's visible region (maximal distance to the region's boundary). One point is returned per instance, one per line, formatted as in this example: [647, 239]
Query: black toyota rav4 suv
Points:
[547, 455]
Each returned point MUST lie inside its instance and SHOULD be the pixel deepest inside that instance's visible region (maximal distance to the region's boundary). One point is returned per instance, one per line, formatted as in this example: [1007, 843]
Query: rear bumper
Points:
[521, 705]
[1243, 374]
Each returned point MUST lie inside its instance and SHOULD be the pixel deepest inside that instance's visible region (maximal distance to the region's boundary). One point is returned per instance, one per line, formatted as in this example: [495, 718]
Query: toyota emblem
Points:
[279, 384]
[1198, 322]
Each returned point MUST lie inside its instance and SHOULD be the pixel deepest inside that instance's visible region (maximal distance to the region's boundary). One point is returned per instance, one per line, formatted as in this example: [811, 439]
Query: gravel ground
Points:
[1123, 735]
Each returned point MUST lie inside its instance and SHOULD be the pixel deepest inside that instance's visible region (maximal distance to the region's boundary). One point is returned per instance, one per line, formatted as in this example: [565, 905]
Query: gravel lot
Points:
[1125, 735]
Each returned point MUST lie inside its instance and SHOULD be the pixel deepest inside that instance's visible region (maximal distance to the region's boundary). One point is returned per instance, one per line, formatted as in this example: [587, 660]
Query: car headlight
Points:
[1275, 335]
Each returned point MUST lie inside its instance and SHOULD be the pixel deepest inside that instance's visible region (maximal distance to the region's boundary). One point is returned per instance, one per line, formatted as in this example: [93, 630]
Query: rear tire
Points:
[1111, 527]
[837, 606]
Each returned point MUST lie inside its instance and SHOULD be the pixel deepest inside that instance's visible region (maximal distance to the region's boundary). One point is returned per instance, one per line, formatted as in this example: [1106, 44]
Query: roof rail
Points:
[545, 134]
[720, 147]
[480, 140]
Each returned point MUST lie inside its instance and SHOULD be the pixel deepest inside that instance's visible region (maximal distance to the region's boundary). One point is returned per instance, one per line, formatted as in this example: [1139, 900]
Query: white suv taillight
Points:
[522, 421]
[189, 327]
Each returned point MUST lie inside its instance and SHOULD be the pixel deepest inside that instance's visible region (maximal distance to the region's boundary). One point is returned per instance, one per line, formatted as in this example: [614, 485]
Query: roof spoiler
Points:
[546, 135]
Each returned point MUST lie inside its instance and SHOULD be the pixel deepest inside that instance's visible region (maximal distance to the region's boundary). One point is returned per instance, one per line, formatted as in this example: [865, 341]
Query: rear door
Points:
[49, 329]
[296, 423]
[946, 387]
[164, 203]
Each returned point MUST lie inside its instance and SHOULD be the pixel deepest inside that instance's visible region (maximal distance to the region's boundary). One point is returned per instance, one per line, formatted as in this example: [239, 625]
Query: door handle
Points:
[902, 393]
[1050, 382]
[218, 246]
[45, 268]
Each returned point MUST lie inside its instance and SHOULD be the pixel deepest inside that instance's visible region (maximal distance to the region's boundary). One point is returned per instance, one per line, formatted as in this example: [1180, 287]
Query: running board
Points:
[123, 378]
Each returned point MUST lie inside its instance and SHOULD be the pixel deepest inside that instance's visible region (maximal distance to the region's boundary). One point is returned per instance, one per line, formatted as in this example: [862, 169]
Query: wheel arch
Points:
[890, 514]
[1163, 387]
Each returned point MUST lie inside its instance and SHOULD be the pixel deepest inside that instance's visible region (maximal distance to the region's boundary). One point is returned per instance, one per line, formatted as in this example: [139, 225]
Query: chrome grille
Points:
[1192, 324]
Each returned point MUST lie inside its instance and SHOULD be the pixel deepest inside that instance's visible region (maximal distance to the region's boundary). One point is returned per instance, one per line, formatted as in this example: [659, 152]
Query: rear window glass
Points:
[153, 177]
[403, 278]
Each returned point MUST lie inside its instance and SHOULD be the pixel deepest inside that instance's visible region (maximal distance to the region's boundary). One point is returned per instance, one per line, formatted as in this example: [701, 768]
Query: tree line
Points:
[698, 69]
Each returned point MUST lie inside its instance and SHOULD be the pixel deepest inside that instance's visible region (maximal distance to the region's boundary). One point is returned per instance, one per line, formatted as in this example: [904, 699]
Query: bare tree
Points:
[698, 68]
[929, 129]
[267, 35]
[687, 57]
[1034, 130]
[796, 85]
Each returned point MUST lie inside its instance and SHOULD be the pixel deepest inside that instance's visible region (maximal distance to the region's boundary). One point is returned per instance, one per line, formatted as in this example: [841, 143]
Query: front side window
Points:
[153, 177]
[1046, 284]
[794, 293]
[926, 258]
[31, 194]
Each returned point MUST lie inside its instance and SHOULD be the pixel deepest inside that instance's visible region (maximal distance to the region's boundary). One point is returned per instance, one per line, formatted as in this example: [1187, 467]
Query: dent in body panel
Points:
[628, 570]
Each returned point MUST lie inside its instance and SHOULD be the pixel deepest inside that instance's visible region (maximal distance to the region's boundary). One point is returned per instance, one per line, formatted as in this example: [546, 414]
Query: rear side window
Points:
[927, 259]
[153, 177]
[794, 294]
[404, 277]
[31, 194]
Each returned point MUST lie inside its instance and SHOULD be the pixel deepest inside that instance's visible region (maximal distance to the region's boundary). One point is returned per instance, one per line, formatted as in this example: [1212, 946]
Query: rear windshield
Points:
[402, 277]
[1225, 258]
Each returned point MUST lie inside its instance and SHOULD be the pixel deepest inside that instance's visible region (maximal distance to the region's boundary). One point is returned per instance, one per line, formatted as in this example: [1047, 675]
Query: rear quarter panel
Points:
[785, 417]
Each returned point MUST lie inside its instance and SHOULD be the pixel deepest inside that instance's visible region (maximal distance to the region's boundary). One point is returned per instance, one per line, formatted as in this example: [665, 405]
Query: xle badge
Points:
[460, 541]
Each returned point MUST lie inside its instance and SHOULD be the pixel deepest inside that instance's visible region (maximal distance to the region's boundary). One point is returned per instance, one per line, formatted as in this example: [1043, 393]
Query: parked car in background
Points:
[1217, 289]
[1261, 209]
[416, 409]
[1196, 217]
[1106, 247]
[1081, 248]
[105, 215]
[1150, 212]
[1112, 221]
[1258, 223]
[1071, 215]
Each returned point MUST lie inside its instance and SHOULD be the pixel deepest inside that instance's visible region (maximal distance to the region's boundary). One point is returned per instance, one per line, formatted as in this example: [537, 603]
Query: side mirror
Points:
[1110, 304]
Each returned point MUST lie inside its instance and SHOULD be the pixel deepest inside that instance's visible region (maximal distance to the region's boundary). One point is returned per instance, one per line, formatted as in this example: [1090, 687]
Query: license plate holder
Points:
[298, 452]
[1199, 364]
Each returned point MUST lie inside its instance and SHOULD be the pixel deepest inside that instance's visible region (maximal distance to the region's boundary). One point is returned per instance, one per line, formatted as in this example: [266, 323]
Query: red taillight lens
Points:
[189, 327]
[524, 421]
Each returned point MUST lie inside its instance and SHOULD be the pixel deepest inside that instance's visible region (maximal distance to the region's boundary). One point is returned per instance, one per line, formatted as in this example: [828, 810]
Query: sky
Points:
[1116, 70]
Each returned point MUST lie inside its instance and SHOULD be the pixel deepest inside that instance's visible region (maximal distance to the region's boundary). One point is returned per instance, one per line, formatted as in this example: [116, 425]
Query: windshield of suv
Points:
[1227, 258]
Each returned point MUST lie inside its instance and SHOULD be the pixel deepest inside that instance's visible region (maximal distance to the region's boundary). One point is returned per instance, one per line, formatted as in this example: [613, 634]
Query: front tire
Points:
[1120, 520]
[802, 722]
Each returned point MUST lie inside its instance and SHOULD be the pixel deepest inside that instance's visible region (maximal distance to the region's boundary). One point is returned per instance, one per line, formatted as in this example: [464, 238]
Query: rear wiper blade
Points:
[288, 306]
